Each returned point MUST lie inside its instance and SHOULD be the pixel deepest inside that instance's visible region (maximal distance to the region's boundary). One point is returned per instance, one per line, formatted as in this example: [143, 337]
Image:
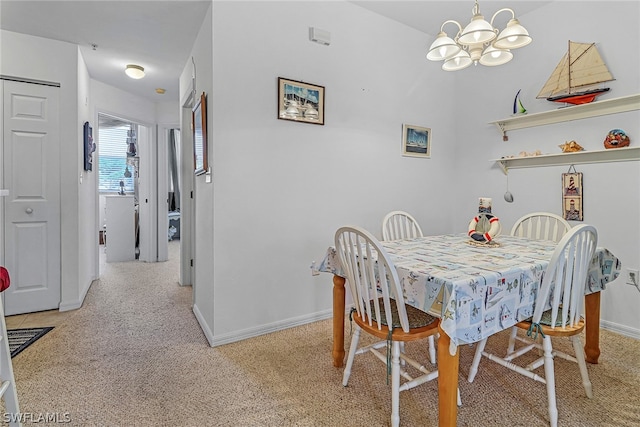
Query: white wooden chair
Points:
[398, 225]
[8, 391]
[541, 226]
[377, 294]
[562, 286]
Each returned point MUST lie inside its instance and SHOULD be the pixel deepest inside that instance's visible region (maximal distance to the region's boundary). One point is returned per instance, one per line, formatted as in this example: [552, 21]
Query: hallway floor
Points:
[55, 317]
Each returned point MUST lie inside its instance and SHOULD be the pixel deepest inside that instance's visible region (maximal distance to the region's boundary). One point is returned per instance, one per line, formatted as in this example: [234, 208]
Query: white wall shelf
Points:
[575, 112]
[625, 154]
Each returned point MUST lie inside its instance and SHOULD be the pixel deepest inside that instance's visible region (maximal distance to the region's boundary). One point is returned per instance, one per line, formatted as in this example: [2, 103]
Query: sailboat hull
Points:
[579, 97]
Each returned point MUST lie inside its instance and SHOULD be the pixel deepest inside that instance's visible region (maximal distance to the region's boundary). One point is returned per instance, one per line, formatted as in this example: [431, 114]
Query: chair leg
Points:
[577, 347]
[550, 380]
[432, 349]
[395, 384]
[352, 353]
[476, 360]
[512, 340]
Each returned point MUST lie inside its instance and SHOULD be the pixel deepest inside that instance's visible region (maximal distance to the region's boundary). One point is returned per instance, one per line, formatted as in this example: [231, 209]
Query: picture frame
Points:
[89, 146]
[572, 209]
[300, 102]
[416, 141]
[200, 143]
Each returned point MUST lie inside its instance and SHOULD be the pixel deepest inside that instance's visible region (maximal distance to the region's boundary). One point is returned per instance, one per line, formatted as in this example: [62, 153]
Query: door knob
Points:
[29, 210]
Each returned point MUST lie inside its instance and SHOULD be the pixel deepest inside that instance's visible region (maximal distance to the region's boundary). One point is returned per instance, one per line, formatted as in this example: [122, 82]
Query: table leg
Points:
[447, 382]
[592, 327]
[338, 320]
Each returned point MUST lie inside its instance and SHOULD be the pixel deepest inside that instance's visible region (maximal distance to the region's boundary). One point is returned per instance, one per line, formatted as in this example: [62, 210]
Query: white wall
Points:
[611, 190]
[281, 185]
[200, 208]
[88, 182]
[283, 188]
[49, 60]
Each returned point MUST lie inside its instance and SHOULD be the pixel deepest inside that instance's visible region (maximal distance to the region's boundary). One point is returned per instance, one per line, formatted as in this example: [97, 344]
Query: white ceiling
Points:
[159, 35]
[428, 15]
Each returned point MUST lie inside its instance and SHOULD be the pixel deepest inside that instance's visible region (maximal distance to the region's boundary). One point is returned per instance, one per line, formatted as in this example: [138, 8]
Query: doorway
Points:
[170, 219]
[126, 167]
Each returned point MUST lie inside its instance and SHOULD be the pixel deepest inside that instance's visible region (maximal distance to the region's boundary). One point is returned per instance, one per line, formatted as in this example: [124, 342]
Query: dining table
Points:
[476, 289]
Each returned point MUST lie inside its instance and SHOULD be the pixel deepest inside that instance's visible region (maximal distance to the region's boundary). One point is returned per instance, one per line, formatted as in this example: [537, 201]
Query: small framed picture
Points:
[199, 125]
[89, 146]
[572, 209]
[416, 141]
[300, 102]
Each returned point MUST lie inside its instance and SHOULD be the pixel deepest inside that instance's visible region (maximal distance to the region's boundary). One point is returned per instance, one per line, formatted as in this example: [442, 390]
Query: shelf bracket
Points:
[503, 166]
[505, 137]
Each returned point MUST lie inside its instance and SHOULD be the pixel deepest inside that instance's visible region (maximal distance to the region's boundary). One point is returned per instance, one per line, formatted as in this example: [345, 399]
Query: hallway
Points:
[55, 317]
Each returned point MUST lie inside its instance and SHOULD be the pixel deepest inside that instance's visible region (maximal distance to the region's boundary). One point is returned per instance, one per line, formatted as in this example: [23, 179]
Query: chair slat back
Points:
[565, 278]
[398, 225]
[371, 276]
[541, 226]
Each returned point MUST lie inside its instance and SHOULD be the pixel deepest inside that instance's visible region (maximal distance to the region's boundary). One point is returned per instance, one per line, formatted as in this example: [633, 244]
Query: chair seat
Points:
[421, 324]
[558, 331]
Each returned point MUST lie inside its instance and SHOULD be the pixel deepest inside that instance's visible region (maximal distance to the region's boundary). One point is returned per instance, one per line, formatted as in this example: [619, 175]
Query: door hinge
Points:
[191, 263]
[192, 194]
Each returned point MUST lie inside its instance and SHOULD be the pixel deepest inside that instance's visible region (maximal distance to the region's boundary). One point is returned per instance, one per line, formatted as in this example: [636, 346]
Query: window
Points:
[117, 154]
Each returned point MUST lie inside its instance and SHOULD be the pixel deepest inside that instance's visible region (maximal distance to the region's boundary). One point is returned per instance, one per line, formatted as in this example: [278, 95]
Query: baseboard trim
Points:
[203, 325]
[262, 329]
[74, 305]
[243, 334]
[620, 329]
[68, 306]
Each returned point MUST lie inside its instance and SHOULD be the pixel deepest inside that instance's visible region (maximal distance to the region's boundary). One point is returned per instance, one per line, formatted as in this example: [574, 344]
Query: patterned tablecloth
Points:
[477, 290]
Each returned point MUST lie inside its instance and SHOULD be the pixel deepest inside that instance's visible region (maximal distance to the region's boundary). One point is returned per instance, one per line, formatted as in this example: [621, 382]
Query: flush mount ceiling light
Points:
[479, 42]
[134, 71]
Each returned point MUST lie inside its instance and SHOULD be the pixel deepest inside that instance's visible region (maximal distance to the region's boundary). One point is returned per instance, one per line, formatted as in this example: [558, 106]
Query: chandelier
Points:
[479, 42]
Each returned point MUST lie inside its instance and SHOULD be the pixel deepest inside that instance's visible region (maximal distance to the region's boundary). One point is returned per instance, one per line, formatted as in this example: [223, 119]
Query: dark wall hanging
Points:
[89, 146]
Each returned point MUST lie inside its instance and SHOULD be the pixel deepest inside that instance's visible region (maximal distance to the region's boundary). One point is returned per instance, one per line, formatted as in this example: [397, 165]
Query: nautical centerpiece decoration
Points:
[616, 138]
[485, 226]
[578, 77]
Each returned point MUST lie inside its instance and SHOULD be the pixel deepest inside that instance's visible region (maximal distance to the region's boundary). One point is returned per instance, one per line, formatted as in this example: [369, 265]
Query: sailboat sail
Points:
[577, 76]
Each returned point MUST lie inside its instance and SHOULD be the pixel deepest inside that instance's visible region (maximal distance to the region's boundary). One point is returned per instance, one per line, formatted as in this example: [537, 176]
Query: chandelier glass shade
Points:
[479, 42]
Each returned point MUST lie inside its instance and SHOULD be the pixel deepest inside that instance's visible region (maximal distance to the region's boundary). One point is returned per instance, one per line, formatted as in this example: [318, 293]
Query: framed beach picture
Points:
[300, 102]
[416, 141]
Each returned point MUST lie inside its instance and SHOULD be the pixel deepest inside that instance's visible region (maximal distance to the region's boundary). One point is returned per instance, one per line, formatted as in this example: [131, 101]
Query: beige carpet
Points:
[134, 355]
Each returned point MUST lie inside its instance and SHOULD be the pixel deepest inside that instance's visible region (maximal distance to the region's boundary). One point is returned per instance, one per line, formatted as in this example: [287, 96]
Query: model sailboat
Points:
[578, 77]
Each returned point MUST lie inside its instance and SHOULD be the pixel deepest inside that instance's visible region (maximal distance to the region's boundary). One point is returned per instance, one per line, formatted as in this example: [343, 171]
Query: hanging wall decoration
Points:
[572, 195]
[89, 146]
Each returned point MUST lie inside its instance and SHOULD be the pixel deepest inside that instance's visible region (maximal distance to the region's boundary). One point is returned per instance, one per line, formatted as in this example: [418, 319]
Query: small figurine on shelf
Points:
[570, 147]
[518, 108]
[616, 138]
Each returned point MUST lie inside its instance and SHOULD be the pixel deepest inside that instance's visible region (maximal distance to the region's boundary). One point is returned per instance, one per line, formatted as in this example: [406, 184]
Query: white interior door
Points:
[31, 173]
